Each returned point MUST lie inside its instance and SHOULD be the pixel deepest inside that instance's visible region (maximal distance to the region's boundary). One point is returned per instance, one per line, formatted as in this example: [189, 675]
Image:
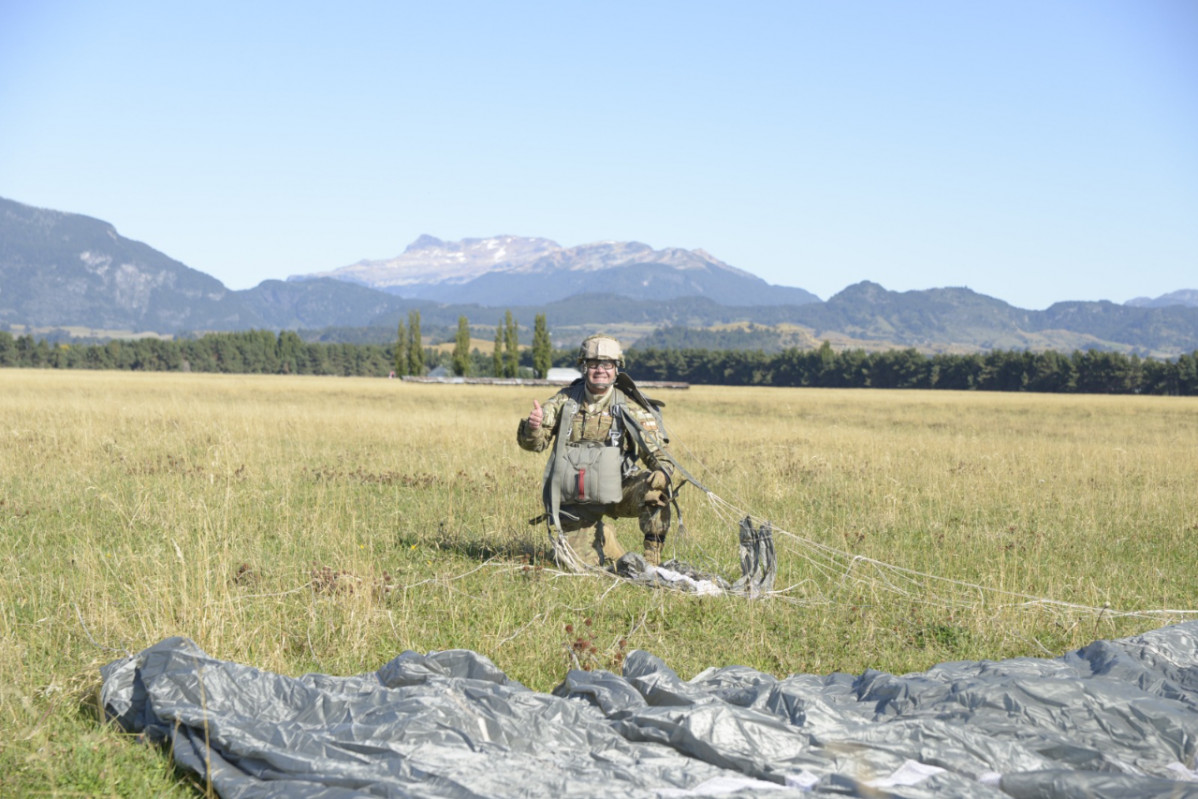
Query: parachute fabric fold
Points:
[1114, 719]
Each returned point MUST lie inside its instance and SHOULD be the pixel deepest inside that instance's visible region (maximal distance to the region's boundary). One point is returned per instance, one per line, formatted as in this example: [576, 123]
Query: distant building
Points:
[562, 374]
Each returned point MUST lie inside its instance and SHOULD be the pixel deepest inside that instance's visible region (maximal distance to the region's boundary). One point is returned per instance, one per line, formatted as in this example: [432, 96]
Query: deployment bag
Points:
[589, 474]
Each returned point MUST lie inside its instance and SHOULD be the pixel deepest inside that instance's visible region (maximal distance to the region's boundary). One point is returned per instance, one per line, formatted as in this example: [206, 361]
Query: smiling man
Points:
[609, 458]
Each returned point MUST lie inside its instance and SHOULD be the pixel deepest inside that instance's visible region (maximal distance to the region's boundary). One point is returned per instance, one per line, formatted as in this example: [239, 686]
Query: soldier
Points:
[600, 427]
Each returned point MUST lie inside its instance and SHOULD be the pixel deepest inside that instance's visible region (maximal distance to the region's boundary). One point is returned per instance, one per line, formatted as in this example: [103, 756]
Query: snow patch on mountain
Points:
[430, 260]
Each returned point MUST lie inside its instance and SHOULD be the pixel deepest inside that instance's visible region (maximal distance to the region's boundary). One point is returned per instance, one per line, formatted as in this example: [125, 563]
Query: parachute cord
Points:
[852, 570]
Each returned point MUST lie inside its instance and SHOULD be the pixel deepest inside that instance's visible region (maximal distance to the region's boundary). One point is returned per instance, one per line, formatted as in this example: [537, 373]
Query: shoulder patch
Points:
[649, 424]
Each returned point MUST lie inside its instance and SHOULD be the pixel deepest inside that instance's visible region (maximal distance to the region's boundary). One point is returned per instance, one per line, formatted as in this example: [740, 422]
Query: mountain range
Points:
[68, 272]
[507, 270]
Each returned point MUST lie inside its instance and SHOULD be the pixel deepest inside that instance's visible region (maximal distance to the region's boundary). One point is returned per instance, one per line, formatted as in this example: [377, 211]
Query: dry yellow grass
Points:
[326, 524]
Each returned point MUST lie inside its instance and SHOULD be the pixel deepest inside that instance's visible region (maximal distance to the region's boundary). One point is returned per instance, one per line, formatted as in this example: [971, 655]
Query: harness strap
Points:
[638, 436]
[622, 419]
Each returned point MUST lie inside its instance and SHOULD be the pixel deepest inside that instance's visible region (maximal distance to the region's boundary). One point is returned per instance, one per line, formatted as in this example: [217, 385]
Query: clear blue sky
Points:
[1033, 151]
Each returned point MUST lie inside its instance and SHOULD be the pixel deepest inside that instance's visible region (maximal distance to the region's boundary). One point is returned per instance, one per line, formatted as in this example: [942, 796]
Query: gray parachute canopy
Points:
[1114, 719]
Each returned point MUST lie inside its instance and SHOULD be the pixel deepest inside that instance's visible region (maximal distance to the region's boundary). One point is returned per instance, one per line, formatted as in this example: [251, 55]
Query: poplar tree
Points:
[542, 348]
[497, 353]
[511, 355]
[461, 348]
[415, 344]
[401, 350]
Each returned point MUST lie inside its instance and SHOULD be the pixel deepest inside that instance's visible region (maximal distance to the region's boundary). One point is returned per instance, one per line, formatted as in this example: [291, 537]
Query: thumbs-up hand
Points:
[535, 416]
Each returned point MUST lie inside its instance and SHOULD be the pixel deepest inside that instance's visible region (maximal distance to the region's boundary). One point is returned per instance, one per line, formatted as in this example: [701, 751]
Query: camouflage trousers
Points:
[644, 499]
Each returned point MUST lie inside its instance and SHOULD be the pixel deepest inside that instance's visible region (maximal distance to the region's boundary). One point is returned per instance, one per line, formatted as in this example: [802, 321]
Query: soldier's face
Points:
[600, 374]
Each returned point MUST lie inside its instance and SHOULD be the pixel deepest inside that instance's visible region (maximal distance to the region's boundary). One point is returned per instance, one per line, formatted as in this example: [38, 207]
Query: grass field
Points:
[328, 524]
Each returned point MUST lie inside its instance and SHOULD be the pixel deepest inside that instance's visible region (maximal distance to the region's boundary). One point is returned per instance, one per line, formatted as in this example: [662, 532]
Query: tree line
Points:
[1082, 371]
[265, 352]
[247, 352]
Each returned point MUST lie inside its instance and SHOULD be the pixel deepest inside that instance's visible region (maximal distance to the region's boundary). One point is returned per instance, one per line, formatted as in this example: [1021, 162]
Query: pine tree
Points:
[461, 348]
[401, 350]
[511, 354]
[291, 347]
[415, 344]
[497, 353]
[542, 348]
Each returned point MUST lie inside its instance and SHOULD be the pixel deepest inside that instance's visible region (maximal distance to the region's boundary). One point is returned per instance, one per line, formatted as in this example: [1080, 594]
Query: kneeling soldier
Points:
[602, 428]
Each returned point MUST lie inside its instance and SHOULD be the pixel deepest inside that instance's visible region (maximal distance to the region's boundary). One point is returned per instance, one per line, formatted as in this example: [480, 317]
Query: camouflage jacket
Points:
[593, 422]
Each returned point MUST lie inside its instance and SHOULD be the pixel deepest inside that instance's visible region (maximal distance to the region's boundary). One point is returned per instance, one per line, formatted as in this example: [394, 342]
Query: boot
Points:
[655, 524]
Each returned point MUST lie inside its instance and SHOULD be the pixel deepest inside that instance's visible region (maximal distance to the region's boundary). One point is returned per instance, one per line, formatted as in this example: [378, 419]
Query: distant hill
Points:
[60, 270]
[323, 302]
[1186, 297]
[68, 270]
[943, 320]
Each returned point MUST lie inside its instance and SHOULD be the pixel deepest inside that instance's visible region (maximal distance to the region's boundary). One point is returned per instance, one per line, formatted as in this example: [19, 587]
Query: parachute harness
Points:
[756, 544]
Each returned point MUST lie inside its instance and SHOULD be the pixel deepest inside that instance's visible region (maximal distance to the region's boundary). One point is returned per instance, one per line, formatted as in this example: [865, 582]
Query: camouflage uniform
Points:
[645, 491]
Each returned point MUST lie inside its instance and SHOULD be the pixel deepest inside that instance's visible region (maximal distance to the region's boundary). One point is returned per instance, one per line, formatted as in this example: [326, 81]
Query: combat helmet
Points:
[601, 347]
